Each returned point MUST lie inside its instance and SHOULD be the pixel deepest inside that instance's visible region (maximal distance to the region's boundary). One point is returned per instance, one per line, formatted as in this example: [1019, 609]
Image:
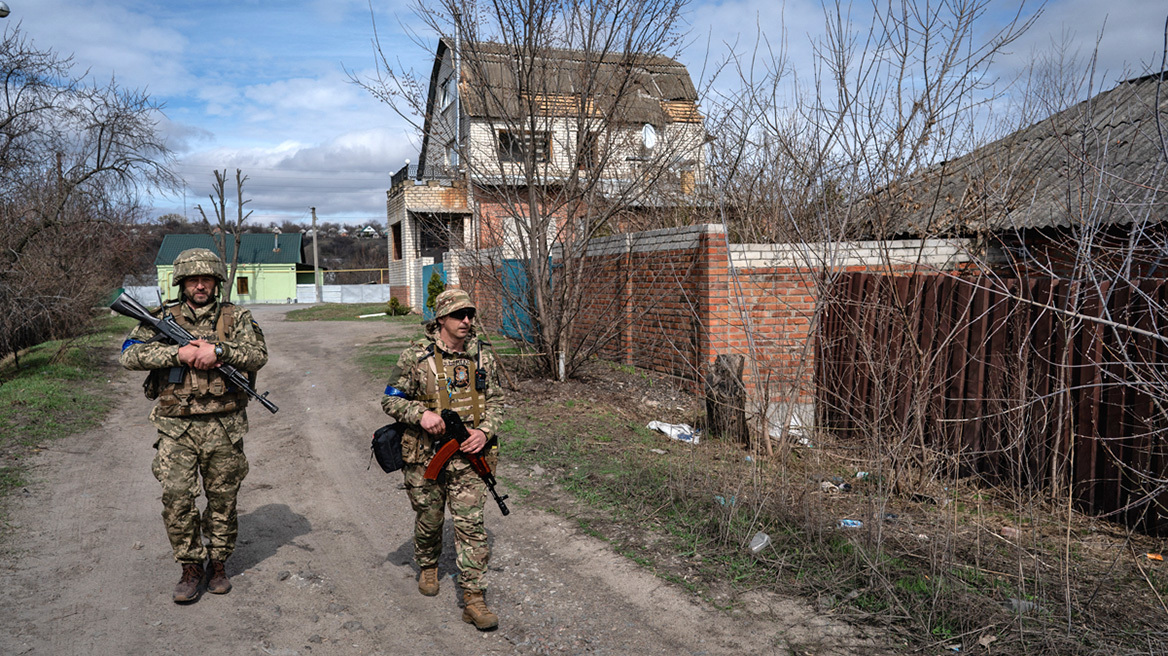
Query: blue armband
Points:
[390, 390]
[130, 342]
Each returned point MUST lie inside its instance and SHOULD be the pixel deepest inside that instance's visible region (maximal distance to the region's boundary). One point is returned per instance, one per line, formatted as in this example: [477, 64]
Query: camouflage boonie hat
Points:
[451, 300]
[198, 262]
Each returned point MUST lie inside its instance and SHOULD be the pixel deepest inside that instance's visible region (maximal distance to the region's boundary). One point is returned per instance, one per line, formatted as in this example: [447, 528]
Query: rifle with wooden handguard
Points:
[167, 326]
[449, 444]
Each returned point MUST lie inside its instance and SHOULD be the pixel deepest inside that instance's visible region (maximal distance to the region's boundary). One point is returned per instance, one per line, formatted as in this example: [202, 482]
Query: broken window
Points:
[515, 146]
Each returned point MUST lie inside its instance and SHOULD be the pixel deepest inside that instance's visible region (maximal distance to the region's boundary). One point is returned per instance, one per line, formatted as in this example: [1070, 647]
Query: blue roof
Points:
[254, 248]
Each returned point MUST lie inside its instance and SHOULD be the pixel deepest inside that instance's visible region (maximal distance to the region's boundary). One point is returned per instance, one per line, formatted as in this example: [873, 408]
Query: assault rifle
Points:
[448, 445]
[167, 327]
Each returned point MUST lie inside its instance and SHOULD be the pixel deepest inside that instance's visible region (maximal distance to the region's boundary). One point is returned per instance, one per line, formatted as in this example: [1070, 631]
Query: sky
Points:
[264, 85]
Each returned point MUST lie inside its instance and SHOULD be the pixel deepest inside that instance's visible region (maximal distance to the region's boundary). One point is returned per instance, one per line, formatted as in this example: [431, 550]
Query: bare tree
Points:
[218, 198]
[73, 157]
[571, 140]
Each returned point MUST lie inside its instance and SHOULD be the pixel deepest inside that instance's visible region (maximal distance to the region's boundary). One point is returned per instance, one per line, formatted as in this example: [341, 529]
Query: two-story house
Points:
[563, 131]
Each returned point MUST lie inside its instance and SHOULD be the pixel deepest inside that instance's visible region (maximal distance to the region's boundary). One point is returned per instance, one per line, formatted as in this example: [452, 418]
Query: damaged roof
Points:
[624, 87]
[1101, 162]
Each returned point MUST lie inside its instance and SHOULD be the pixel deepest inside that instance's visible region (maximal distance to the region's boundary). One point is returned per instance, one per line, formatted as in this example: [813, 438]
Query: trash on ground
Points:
[987, 640]
[1155, 556]
[891, 517]
[723, 500]
[828, 487]
[805, 442]
[850, 523]
[375, 314]
[1011, 532]
[954, 648]
[749, 459]
[862, 475]
[1022, 605]
[679, 432]
[659, 452]
[922, 537]
[759, 542]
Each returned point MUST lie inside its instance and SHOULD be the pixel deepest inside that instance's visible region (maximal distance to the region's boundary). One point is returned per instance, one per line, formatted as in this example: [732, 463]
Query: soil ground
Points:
[324, 562]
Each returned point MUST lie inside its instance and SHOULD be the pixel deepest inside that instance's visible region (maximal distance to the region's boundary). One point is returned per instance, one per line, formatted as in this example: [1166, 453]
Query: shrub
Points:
[433, 289]
[396, 308]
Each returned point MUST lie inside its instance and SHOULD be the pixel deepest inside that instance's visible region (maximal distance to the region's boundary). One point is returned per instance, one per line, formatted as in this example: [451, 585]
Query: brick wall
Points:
[668, 301]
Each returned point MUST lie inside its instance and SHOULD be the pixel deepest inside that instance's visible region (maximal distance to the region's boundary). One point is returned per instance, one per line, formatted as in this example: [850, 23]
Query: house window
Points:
[446, 92]
[241, 285]
[452, 155]
[515, 146]
[397, 241]
[589, 151]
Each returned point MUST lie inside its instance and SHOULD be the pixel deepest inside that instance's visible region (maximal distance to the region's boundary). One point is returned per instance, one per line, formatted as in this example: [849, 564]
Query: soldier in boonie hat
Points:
[451, 300]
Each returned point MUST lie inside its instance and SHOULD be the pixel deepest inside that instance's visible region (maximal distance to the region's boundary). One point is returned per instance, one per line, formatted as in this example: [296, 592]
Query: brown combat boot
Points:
[187, 589]
[477, 613]
[428, 581]
[218, 583]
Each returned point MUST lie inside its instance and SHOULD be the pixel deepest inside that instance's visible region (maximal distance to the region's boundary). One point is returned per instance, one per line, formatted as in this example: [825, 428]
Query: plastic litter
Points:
[659, 452]
[375, 314]
[1022, 606]
[1155, 556]
[759, 542]
[850, 523]
[723, 501]
[828, 487]
[805, 442]
[679, 432]
[862, 475]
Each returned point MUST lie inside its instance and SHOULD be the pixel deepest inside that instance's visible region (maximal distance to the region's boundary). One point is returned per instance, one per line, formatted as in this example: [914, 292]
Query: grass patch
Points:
[60, 389]
[932, 575]
[348, 312]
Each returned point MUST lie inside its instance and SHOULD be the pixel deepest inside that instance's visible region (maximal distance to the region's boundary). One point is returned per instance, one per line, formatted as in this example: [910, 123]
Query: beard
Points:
[193, 300]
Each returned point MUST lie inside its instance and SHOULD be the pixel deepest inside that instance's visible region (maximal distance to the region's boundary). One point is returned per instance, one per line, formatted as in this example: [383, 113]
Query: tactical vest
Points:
[201, 391]
[451, 385]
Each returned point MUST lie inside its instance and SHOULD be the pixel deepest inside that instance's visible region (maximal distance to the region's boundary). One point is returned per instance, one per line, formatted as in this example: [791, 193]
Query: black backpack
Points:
[387, 446]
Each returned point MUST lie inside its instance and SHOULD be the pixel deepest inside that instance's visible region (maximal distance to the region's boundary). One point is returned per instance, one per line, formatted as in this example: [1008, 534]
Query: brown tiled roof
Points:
[1100, 161]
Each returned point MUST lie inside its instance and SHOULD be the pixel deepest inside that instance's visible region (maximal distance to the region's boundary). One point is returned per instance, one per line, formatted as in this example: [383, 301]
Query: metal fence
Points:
[1049, 384]
[344, 293]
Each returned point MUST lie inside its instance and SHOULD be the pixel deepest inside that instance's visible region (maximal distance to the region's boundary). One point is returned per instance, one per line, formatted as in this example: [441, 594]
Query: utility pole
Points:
[316, 259]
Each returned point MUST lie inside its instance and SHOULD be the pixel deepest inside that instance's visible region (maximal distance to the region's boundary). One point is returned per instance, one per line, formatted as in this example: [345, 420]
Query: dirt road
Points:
[324, 561]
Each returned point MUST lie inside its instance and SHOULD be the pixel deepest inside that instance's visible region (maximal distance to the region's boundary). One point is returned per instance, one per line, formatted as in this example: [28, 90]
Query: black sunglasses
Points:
[465, 313]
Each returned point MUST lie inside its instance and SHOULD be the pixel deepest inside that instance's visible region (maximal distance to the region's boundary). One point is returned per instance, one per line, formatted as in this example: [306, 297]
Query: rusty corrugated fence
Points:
[1039, 383]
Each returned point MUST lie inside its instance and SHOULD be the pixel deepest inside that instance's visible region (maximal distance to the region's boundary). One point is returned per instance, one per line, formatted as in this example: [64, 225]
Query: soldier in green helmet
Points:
[200, 418]
[449, 369]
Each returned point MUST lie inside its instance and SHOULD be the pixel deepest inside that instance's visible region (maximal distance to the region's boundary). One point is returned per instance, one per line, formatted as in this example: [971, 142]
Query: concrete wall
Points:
[344, 293]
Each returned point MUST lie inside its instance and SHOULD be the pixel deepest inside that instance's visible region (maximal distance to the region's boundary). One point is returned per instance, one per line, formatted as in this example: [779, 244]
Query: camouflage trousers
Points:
[206, 451]
[460, 488]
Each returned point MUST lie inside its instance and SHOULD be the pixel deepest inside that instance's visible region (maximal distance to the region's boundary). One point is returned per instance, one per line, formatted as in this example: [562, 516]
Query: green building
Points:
[270, 265]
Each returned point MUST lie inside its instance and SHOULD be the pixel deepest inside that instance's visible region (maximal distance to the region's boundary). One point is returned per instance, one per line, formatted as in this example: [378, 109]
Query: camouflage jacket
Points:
[414, 387]
[244, 348]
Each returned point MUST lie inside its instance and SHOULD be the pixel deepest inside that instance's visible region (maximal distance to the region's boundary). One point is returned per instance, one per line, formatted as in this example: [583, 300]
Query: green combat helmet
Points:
[198, 262]
[451, 300]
